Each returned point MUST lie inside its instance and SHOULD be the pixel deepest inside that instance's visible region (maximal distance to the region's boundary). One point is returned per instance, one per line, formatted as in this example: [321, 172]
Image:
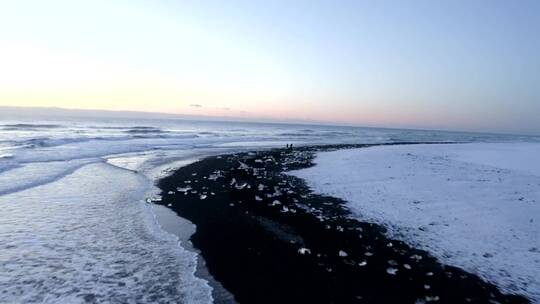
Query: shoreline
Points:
[182, 228]
[281, 243]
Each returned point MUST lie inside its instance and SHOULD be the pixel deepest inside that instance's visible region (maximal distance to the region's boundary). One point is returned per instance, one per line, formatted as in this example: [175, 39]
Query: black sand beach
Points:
[267, 239]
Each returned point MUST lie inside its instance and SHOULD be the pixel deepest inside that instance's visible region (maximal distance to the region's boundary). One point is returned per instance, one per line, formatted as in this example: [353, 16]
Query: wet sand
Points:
[267, 239]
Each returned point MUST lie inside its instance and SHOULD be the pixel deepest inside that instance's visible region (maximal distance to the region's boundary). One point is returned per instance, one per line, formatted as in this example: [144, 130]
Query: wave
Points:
[6, 156]
[98, 127]
[299, 134]
[129, 129]
[53, 142]
[25, 126]
[47, 142]
[145, 130]
[315, 133]
[35, 174]
[338, 133]
[211, 133]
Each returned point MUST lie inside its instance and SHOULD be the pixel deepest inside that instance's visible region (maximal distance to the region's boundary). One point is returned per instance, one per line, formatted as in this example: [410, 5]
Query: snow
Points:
[474, 206]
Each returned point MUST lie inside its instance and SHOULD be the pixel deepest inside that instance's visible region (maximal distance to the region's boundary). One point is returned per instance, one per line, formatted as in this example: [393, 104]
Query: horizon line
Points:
[216, 118]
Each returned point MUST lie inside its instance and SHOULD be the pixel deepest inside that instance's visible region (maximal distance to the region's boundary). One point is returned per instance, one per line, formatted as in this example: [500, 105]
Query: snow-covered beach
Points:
[474, 206]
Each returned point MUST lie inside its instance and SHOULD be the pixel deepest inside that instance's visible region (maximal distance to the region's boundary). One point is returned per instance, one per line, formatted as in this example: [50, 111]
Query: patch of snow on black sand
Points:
[475, 206]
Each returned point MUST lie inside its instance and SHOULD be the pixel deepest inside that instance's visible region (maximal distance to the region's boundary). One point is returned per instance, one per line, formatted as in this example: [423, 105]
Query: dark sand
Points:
[252, 247]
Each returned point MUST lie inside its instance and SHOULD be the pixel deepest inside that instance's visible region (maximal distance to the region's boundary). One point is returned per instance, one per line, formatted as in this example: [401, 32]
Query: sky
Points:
[459, 65]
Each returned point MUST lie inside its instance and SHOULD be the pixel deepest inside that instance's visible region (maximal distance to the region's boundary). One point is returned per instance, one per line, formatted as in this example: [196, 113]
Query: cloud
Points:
[194, 105]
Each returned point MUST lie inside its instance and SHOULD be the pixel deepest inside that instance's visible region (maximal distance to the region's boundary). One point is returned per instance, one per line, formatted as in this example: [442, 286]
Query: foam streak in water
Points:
[88, 236]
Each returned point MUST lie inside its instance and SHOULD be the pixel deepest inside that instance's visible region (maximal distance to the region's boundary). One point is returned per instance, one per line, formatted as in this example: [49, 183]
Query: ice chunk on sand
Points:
[304, 251]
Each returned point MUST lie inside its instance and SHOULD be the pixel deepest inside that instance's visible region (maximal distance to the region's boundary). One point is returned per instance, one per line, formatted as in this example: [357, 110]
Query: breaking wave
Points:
[24, 126]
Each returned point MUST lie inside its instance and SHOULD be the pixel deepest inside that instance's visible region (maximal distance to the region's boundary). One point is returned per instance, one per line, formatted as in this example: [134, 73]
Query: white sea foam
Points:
[35, 174]
[90, 236]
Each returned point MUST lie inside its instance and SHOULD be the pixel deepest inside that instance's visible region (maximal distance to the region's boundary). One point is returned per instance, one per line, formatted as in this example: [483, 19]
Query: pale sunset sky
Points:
[464, 65]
